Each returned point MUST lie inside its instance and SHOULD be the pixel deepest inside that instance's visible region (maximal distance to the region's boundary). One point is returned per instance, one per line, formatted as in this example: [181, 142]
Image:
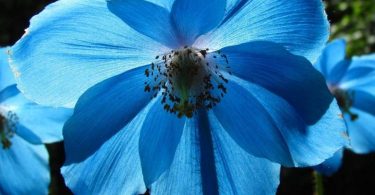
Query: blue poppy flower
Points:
[180, 96]
[24, 127]
[352, 82]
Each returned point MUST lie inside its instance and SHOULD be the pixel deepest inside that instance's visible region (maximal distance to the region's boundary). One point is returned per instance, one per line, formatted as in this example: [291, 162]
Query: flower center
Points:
[188, 79]
[345, 101]
[7, 128]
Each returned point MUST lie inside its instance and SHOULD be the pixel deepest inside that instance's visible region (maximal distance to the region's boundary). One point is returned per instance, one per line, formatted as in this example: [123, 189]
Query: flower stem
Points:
[319, 186]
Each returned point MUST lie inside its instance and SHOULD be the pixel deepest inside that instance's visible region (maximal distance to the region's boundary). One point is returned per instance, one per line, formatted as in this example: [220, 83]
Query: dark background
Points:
[353, 20]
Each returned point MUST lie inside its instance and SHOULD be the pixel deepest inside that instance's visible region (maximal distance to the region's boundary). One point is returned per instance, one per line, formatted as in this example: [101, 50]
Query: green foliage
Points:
[353, 20]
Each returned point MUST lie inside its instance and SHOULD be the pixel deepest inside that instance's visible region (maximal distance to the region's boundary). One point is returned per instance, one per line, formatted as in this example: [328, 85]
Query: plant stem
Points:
[319, 186]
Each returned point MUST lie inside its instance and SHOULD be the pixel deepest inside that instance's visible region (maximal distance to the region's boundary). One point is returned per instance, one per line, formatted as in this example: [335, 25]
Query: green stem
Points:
[319, 186]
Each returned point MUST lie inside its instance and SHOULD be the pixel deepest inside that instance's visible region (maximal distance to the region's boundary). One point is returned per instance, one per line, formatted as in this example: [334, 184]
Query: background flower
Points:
[25, 126]
[352, 81]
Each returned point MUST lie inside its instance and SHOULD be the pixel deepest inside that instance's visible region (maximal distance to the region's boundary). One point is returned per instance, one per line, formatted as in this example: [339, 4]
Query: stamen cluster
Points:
[7, 128]
[345, 101]
[188, 80]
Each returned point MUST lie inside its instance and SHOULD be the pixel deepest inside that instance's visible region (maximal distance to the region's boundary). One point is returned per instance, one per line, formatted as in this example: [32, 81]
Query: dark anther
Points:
[203, 52]
[147, 73]
[147, 88]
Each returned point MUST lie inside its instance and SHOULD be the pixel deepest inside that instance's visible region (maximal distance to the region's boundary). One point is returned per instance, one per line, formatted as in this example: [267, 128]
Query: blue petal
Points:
[360, 75]
[365, 60]
[37, 124]
[362, 67]
[267, 126]
[7, 93]
[231, 4]
[331, 57]
[361, 131]
[193, 18]
[364, 101]
[147, 18]
[299, 25]
[357, 73]
[289, 76]
[6, 76]
[237, 172]
[186, 165]
[331, 165]
[103, 110]
[167, 4]
[62, 55]
[159, 128]
[24, 169]
[115, 168]
[232, 7]
[359, 80]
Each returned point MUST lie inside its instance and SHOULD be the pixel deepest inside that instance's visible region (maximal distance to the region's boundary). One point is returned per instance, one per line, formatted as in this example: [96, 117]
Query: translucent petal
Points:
[300, 26]
[114, 168]
[147, 18]
[160, 135]
[6, 75]
[35, 123]
[24, 168]
[193, 18]
[289, 76]
[267, 126]
[62, 55]
[103, 110]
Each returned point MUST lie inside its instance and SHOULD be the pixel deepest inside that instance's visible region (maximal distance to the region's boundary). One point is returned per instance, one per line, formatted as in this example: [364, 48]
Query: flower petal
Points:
[360, 80]
[360, 75]
[160, 135]
[233, 6]
[237, 172]
[6, 75]
[331, 165]
[331, 57]
[35, 123]
[103, 110]
[289, 76]
[167, 4]
[61, 55]
[267, 126]
[24, 168]
[186, 165]
[147, 18]
[300, 26]
[365, 60]
[193, 18]
[364, 101]
[361, 131]
[115, 168]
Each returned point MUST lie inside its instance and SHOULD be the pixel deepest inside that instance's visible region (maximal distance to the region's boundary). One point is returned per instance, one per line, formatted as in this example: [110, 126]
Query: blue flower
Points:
[195, 96]
[24, 127]
[352, 82]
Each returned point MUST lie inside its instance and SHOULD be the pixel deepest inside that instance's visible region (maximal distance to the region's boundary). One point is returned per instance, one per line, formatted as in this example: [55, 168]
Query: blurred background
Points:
[353, 20]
